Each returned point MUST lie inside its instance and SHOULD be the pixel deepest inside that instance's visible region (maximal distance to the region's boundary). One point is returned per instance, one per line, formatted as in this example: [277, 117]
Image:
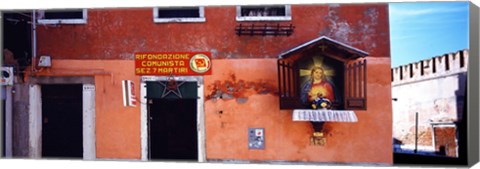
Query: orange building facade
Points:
[241, 91]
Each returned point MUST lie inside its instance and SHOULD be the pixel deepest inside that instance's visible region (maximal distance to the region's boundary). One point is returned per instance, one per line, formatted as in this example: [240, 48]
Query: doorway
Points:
[173, 129]
[189, 95]
[446, 140]
[62, 123]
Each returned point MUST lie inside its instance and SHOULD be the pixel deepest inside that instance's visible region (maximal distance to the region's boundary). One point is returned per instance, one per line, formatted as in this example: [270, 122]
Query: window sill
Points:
[168, 20]
[62, 21]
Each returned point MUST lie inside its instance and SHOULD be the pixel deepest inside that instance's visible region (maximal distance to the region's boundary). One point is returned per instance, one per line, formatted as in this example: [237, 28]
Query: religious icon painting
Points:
[321, 77]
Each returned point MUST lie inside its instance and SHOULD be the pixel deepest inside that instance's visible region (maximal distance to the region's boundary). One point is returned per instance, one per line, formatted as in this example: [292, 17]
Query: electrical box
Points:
[45, 61]
[7, 76]
[256, 138]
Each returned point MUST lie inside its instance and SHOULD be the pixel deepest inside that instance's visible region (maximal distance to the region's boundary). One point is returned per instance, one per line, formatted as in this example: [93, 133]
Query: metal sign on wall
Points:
[256, 138]
[129, 97]
[176, 63]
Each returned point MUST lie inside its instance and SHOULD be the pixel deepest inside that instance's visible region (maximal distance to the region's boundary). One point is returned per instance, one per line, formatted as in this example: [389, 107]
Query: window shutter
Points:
[356, 89]
[287, 85]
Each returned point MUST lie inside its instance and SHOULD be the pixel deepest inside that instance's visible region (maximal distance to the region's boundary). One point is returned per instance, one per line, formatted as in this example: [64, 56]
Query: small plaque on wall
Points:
[129, 97]
[256, 138]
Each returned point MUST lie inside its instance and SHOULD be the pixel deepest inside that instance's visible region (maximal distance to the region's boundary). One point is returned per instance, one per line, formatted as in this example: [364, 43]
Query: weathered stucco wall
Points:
[228, 118]
[438, 96]
[118, 128]
[119, 33]
[112, 35]
[20, 121]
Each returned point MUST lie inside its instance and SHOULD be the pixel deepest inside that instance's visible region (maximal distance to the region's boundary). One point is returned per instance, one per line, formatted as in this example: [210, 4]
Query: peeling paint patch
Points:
[424, 136]
[372, 13]
[369, 23]
[239, 89]
[334, 5]
[242, 100]
[337, 29]
[126, 55]
[214, 53]
[341, 31]
[361, 33]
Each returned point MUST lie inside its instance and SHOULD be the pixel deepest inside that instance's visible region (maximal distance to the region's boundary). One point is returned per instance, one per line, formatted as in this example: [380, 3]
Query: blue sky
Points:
[422, 30]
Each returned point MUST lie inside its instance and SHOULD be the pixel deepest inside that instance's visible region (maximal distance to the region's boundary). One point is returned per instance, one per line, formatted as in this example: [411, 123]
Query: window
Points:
[264, 13]
[73, 16]
[178, 14]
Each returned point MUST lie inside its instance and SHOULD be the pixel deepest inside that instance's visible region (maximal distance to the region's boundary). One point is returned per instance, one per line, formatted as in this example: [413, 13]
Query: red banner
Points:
[176, 63]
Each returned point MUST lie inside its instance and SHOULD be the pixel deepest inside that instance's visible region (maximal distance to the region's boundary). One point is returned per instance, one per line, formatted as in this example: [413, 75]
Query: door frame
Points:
[88, 114]
[200, 113]
[8, 125]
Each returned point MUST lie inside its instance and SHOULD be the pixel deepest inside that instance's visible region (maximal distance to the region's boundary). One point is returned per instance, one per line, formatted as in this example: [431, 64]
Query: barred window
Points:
[264, 13]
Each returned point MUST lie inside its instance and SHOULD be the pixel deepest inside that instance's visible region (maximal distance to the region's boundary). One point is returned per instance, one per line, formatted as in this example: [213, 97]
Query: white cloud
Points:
[405, 11]
[410, 12]
[404, 36]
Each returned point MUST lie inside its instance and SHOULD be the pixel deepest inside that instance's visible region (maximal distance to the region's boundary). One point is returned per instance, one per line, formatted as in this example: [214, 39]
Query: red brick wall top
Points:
[119, 33]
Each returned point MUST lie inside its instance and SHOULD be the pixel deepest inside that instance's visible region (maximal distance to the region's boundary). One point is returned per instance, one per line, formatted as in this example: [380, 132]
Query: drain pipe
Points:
[416, 132]
[34, 41]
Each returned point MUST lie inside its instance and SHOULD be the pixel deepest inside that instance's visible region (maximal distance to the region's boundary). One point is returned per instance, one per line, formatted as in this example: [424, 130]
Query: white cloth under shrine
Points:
[324, 115]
